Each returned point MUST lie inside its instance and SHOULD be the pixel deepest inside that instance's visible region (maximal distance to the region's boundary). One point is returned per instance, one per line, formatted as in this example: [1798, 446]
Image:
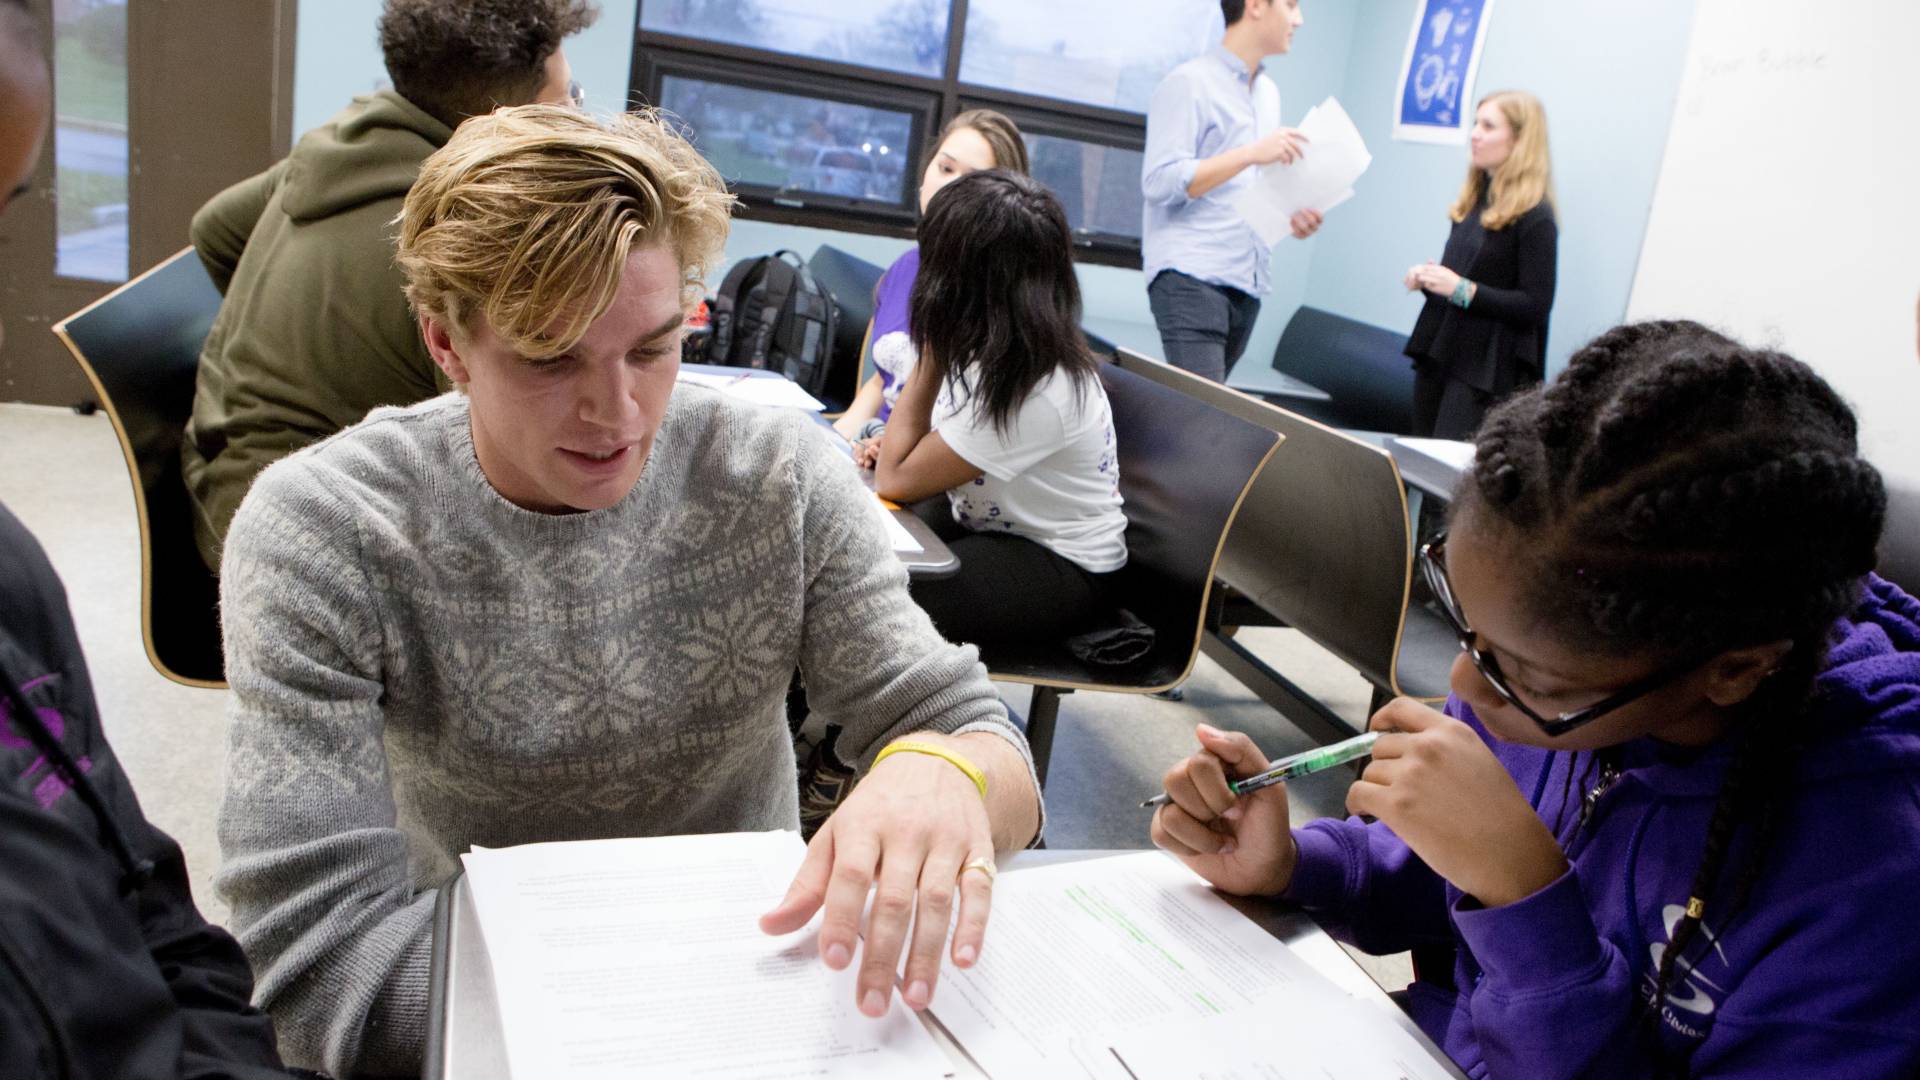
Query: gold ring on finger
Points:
[984, 864]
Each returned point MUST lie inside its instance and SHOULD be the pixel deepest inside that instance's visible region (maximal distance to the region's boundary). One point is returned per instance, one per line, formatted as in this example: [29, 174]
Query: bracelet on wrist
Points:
[1462, 293]
[951, 757]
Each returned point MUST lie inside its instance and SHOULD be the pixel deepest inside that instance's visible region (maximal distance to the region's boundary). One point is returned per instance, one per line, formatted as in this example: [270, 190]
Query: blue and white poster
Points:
[1435, 99]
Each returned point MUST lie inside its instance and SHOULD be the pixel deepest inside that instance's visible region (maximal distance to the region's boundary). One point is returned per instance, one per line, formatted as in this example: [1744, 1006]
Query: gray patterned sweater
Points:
[419, 666]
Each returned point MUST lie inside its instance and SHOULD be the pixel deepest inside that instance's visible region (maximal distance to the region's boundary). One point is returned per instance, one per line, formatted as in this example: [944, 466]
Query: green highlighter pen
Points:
[1301, 764]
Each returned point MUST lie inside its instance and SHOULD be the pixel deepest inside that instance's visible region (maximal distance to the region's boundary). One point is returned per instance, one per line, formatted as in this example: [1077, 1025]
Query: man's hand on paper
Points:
[1437, 785]
[906, 832]
[1305, 223]
[1242, 844]
[1281, 146]
[866, 453]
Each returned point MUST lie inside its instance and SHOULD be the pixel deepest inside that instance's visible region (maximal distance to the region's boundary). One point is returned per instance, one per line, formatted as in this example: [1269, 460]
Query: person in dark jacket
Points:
[106, 967]
[1483, 332]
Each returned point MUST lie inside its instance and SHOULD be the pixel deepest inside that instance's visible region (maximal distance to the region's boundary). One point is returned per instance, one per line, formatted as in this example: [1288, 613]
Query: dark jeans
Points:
[1203, 327]
[1008, 589]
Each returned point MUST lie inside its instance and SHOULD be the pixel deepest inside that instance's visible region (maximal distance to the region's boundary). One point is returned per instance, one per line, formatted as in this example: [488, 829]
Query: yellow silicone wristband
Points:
[909, 746]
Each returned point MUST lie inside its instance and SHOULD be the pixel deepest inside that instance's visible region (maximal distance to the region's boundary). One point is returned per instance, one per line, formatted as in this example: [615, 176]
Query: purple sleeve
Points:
[1556, 998]
[892, 298]
[1366, 887]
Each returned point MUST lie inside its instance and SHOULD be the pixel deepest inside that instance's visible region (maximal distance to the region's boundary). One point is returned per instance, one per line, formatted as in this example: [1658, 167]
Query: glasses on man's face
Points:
[1433, 567]
[577, 94]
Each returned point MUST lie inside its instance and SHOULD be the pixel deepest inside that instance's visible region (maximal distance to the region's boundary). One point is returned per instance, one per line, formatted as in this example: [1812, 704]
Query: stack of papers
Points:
[1320, 179]
[642, 957]
[1132, 968]
[623, 958]
[758, 388]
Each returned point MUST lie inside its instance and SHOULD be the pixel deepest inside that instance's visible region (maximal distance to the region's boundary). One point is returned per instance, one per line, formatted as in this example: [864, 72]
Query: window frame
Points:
[811, 206]
[932, 99]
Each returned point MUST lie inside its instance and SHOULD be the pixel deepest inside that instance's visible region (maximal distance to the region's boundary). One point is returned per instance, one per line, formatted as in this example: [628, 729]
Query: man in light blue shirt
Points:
[1212, 119]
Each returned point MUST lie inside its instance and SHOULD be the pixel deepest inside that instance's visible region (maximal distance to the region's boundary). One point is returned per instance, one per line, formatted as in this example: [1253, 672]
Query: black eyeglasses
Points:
[1433, 567]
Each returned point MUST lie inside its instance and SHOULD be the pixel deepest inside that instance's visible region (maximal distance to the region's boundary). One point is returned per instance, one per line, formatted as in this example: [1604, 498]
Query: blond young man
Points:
[566, 603]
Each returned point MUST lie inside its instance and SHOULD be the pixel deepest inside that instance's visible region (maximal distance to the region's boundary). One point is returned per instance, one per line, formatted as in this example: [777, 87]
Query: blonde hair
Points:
[527, 216]
[1525, 179]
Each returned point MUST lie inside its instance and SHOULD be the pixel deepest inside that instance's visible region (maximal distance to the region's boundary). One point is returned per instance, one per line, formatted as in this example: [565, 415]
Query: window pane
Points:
[1099, 186]
[90, 138]
[1061, 51]
[908, 36]
[794, 143]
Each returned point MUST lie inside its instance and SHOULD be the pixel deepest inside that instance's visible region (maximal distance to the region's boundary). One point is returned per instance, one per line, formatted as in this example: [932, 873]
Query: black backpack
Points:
[773, 314]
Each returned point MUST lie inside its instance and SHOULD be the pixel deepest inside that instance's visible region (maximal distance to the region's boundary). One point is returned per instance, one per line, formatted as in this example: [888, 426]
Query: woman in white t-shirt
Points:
[1005, 413]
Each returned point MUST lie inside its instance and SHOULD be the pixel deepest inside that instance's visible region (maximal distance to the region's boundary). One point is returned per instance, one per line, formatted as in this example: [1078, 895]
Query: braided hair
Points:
[1683, 495]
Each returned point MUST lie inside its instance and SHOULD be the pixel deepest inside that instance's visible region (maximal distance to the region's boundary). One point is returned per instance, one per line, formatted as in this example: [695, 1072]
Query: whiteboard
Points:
[1787, 212]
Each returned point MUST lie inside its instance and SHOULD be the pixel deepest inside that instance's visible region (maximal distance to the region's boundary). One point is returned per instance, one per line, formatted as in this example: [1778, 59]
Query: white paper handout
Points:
[1287, 1036]
[622, 958]
[1335, 156]
[757, 388]
[902, 540]
[1081, 955]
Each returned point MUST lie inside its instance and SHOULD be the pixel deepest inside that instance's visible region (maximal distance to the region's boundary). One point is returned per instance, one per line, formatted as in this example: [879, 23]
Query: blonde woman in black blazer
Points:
[1483, 332]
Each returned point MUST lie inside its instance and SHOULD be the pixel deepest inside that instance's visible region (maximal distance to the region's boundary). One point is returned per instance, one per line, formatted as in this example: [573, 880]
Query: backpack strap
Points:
[779, 282]
[726, 309]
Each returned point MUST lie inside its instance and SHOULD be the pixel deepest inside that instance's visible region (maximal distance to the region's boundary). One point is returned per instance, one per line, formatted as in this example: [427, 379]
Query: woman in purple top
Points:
[974, 140]
[1667, 822]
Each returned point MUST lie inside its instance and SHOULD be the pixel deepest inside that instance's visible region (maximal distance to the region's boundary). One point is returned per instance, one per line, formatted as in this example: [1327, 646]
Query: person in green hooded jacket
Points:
[315, 330]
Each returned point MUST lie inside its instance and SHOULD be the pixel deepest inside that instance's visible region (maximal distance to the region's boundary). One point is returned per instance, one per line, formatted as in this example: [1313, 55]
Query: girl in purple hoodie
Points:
[1669, 821]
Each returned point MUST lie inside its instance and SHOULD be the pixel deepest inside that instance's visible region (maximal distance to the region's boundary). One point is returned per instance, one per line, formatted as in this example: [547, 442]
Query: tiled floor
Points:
[64, 476]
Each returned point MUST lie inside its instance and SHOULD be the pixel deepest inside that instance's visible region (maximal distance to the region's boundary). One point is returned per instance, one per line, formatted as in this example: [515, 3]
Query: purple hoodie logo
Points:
[47, 789]
[1689, 991]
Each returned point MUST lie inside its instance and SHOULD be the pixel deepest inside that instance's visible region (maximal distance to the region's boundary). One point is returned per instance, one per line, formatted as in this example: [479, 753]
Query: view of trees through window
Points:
[1098, 186]
[1111, 54]
[908, 36]
[90, 138]
[810, 105]
[794, 143]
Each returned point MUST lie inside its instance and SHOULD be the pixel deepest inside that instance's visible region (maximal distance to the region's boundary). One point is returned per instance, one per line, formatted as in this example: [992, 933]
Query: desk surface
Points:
[934, 560]
[1435, 466]
[463, 1035]
[1262, 380]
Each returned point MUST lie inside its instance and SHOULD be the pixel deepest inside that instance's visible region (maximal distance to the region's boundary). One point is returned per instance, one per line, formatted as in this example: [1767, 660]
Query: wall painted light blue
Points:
[1608, 72]
[336, 56]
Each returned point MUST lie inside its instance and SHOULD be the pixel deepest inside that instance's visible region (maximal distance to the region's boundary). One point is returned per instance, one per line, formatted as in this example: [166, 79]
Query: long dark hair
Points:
[1682, 495]
[996, 305]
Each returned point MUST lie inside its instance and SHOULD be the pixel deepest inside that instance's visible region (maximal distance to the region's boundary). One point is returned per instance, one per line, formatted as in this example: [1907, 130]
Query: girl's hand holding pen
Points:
[1437, 785]
[1242, 844]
